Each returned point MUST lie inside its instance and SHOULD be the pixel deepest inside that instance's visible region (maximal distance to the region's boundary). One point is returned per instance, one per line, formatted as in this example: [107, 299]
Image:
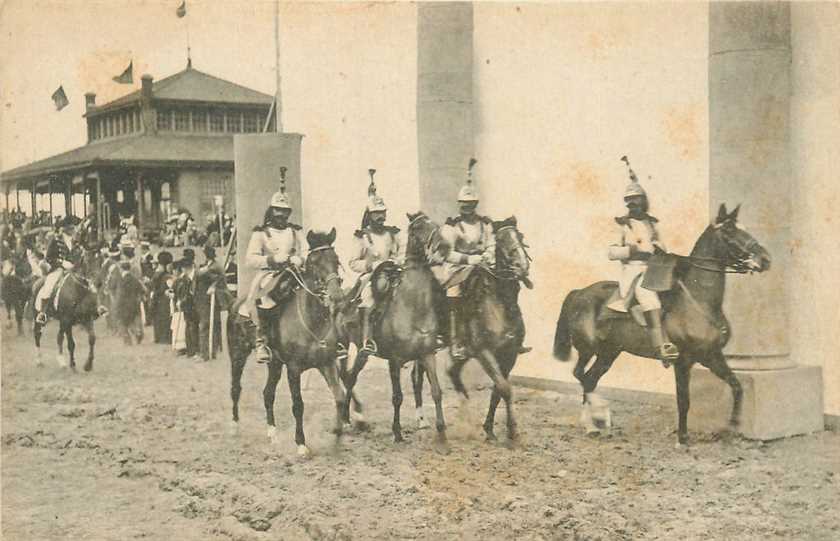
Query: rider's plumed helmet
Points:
[280, 200]
[634, 188]
[375, 201]
[468, 192]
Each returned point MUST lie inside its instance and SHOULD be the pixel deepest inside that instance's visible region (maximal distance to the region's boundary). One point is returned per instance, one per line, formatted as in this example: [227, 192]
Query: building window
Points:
[250, 122]
[217, 121]
[211, 187]
[234, 122]
[182, 120]
[164, 119]
[199, 118]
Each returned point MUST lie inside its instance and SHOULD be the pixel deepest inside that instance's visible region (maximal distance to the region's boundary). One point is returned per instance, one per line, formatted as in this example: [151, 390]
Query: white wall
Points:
[815, 124]
[562, 92]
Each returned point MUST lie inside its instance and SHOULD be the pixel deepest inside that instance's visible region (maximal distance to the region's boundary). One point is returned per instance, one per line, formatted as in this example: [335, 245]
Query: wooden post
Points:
[50, 187]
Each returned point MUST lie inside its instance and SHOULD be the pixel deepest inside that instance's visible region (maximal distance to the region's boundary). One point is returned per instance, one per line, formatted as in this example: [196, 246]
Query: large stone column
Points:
[749, 115]
[750, 163]
[257, 161]
[444, 102]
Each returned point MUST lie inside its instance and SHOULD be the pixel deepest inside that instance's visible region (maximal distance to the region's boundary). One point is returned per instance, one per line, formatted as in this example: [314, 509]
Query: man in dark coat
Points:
[185, 296]
[159, 308]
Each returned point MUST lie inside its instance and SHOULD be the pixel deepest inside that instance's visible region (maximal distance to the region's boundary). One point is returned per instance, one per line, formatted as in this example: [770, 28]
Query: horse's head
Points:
[322, 265]
[737, 247]
[511, 254]
[425, 241]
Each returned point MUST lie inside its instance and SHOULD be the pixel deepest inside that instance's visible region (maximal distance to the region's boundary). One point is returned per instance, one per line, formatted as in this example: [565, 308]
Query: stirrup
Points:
[668, 352]
[263, 352]
[340, 352]
[41, 318]
[457, 352]
[370, 347]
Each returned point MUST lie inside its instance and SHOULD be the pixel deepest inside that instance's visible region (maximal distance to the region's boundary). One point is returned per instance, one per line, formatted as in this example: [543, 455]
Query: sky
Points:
[348, 80]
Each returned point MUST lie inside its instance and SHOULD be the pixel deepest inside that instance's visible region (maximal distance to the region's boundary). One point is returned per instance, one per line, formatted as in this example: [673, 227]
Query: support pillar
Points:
[444, 102]
[257, 161]
[750, 163]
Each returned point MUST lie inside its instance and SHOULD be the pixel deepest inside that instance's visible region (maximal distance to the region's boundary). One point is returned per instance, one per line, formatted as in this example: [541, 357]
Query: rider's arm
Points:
[358, 263]
[451, 235]
[254, 256]
[620, 252]
[488, 257]
[398, 251]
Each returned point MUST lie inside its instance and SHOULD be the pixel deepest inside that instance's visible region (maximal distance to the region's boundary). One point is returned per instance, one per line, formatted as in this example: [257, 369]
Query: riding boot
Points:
[456, 340]
[261, 342]
[368, 344]
[665, 350]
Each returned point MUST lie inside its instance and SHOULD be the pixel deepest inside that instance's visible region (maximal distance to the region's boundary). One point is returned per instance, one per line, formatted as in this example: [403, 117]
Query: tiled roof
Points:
[138, 150]
[194, 85]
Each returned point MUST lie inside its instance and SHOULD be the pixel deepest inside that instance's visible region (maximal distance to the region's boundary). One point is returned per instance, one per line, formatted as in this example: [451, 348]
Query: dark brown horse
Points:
[495, 331]
[76, 306]
[693, 320]
[127, 296]
[17, 281]
[408, 321]
[302, 336]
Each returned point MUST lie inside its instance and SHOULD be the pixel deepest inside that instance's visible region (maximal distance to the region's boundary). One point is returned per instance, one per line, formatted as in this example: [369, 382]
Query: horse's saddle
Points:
[383, 282]
[278, 286]
[658, 277]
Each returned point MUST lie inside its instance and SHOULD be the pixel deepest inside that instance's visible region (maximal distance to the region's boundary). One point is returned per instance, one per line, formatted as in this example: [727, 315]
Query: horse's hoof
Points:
[398, 438]
[490, 436]
[593, 432]
[357, 417]
[273, 437]
[442, 446]
[422, 423]
[303, 452]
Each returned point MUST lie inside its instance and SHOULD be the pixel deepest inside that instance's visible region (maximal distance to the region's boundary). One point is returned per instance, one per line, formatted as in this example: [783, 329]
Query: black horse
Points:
[408, 322]
[495, 329]
[693, 320]
[17, 280]
[77, 305]
[302, 336]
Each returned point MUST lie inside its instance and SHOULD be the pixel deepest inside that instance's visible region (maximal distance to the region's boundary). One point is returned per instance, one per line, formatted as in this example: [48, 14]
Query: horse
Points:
[108, 284]
[494, 329]
[17, 280]
[302, 335]
[76, 305]
[408, 322]
[126, 298]
[693, 320]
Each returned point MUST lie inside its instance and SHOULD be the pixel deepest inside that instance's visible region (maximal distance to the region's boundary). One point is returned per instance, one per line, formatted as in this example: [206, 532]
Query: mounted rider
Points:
[376, 243]
[471, 237]
[640, 240]
[273, 246]
[59, 259]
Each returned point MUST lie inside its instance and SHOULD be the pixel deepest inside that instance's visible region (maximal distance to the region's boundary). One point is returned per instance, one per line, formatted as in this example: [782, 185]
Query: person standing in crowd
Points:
[185, 298]
[159, 309]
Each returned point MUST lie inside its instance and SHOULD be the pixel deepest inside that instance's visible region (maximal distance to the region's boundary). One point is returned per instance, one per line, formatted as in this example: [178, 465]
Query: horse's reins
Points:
[322, 343]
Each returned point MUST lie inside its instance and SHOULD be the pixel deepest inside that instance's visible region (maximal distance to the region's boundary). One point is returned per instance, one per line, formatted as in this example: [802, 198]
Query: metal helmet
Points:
[375, 202]
[468, 192]
[634, 188]
[280, 200]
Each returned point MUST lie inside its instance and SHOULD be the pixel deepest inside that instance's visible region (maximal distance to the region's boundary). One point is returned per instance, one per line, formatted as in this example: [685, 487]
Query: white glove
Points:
[473, 259]
[296, 261]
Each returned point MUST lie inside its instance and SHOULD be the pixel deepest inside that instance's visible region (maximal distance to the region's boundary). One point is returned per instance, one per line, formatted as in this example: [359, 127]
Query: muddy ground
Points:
[141, 449]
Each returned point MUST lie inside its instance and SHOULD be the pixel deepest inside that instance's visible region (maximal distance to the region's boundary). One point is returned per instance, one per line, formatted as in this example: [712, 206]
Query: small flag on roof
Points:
[60, 99]
[127, 76]
[182, 9]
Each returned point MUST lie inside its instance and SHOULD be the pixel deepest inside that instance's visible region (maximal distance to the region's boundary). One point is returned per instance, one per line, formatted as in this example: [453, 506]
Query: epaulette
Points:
[358, 233]
[456, 220]
[625, 220]
[295, 226]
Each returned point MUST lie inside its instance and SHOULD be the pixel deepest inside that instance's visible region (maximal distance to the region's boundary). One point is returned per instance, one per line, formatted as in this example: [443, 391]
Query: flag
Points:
[182, 9]
[127, 76]
[60, 99]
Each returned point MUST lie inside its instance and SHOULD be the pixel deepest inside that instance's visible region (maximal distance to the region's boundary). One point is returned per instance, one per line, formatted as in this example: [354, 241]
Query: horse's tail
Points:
[562, 334]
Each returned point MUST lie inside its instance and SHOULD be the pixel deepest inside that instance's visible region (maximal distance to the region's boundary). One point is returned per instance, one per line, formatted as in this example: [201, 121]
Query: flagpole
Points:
[278, 108]
[189, 52]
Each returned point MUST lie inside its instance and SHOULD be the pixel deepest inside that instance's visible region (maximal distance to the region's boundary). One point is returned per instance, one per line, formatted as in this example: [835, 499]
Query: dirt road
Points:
[140, 449]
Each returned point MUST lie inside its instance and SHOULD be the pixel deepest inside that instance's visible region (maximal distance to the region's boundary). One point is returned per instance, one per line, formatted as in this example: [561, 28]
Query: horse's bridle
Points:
[736, 262]
[504, 271]
[429, 245]
[321, 284]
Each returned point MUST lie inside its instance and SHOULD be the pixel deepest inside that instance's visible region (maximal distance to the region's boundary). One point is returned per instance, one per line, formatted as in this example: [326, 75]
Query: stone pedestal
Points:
[777, 403]
[257, 161]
